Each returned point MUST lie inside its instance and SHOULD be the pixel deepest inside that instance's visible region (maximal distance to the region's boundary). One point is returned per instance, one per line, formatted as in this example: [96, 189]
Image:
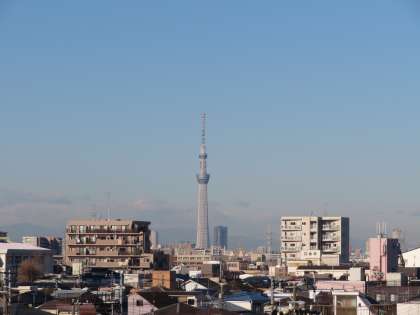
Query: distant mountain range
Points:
[166, 236]
[16, 231]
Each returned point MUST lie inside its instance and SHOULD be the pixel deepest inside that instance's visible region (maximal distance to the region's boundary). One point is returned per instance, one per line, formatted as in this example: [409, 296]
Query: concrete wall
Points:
[383, 257]
[358, 286]
[412, 258]
[408, 309]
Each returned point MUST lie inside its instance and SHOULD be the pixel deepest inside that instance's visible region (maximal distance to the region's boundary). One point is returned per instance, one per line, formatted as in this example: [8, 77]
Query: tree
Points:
[29, 271]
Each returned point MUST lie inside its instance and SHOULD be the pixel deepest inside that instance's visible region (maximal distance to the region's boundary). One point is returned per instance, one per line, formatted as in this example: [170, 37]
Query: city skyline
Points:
[305, 117]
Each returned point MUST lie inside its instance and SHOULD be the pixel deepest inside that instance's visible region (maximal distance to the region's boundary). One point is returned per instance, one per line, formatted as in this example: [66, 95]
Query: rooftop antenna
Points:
[108, 199]
[93, 213]
[325, 209]
[379, 229]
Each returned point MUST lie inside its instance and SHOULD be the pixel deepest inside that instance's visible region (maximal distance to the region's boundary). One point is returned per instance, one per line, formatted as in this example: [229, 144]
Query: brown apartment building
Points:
[115, 244]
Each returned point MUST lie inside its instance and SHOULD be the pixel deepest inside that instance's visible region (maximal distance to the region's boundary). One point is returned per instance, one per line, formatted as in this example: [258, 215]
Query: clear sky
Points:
[313, 106]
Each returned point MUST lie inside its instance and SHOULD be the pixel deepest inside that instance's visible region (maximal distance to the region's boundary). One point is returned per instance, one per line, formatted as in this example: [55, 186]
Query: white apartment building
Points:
[314, 240]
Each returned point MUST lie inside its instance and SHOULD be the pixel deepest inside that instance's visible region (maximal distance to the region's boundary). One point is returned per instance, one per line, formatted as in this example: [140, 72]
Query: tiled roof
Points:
[184, 309]
[158, 299]
[247, 296]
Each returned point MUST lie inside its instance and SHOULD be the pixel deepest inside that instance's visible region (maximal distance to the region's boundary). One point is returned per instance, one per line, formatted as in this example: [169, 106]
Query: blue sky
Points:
[312, 106]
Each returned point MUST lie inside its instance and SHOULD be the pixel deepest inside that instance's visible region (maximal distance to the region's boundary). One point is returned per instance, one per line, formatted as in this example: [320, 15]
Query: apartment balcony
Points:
[291, 227]
[109, 242]
[291, 249]
[291, 238]
[331, 239]
[109, 253]
[99, 242]
[79, 242]
[72, 242]
[109, 264]
[96, 242]
[330, 227]
[104, 231]
[330, 249]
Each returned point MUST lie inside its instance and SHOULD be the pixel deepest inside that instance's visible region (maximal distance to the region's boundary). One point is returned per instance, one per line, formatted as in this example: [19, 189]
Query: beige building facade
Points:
[315, 240]
[115, 244]
[193, 258]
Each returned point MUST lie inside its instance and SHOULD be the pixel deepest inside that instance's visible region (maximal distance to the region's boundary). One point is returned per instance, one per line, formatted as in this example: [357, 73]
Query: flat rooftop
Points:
[323, 267]
[105, 222]
[19, 246]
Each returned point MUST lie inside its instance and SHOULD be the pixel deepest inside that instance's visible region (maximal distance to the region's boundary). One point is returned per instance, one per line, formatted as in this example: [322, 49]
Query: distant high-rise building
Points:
[220, 237]
[154, 239]
[38, 241]
[315, 240]
[3, 237]
[50, 242]
[56, 245]
[202, 179]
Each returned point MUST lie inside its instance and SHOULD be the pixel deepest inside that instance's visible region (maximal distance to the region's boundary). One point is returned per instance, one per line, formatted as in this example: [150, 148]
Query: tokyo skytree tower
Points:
[202, 179]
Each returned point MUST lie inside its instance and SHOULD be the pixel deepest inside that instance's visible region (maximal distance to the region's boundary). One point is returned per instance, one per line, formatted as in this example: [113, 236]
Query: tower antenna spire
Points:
[203, 128]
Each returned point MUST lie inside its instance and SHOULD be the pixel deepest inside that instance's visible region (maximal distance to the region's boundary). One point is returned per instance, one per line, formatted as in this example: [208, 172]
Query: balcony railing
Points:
[109, 242]
[291, 227]
[99, 242]
[108, 264]
[330, 227]
[291, 238]
[330, 249]
[330, 239]
[291, 249]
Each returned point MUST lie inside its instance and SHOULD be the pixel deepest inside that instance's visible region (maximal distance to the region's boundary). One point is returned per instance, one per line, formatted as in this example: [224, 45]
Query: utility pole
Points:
[7, 291]
[121, 292]
[272, 294]
[76, 307]
[112, 294]
[4, 293]
[9, 288]
[221, 283]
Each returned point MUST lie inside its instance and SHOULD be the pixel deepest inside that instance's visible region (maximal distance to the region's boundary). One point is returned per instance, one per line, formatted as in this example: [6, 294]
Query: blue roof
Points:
[247, 296]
